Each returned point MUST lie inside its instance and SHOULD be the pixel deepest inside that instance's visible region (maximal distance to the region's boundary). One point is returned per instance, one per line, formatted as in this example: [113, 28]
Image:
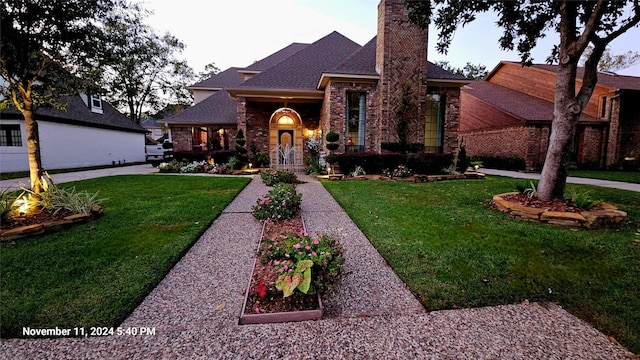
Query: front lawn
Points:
[452, 250]
[624, 176]
[97, 273]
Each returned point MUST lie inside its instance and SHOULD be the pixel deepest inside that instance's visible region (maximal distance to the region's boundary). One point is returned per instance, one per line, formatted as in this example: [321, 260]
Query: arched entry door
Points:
[286, 137]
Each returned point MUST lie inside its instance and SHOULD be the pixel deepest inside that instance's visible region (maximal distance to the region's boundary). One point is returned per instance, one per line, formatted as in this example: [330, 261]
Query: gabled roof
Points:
[435, 72]
[275, 58]
[301, 71]
[604, 77]
[519, 105]
[227, 78]
[217, 109]
[78, 113]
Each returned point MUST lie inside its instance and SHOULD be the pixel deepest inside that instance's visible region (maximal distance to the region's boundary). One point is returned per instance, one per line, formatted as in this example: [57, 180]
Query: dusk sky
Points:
[239, 32]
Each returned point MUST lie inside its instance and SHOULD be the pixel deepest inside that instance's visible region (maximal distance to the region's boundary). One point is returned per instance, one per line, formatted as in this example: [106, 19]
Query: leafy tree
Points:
[209, 70]
[43, 42]
[610, 62]
[144, 72]
[470, 71]
[405, 110]
[578, 23]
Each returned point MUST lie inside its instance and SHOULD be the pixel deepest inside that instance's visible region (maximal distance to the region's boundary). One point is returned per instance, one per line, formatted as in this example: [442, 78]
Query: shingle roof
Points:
[513, 102]
[77, 112]
[276, 57]
[436, 72]
[219, 109]
[604, 78]
[361, 62]
[227, 78]
[302, 70]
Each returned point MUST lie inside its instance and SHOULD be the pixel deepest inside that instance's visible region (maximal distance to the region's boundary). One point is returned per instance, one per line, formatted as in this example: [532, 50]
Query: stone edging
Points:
[605, 215]
[409, 179]
[51, 226]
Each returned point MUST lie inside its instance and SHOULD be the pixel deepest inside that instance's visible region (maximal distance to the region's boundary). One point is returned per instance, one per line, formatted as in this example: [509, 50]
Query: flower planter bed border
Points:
[50, 226]
[279, 317]
[604, 215]
[409, 179]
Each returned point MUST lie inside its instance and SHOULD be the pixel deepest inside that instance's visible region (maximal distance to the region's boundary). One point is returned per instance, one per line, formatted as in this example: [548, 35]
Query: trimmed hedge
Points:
[397, 147]
[374, 163]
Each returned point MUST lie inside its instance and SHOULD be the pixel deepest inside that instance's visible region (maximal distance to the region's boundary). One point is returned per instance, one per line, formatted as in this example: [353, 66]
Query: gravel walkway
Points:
[371, 315]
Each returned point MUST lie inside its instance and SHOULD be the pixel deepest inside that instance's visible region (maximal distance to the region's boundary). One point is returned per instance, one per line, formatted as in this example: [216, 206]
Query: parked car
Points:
[155, 152]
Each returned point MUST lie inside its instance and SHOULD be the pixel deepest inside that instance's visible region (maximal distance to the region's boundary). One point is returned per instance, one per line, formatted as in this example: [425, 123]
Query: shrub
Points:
[272, 177]
[332, 136]
[371, 163]
[221, 156]
[260, 159]
[397, 147]
[281, 203]
[429, 163]
[172, 166]
[313, 166]
[400, 171]
[289, 252]
[7, 198]
[501, 162]
[189, 156]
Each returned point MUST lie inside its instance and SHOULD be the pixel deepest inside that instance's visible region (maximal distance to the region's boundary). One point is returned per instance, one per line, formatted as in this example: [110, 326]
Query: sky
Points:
[240, 32]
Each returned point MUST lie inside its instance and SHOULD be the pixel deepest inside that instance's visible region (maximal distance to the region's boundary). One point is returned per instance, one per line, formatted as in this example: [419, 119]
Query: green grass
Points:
[625, 176]
[97, 273]
[452, 250]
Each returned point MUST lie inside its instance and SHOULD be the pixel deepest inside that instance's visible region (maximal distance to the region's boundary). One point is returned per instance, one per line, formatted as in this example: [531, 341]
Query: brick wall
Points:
[182, 138]
[334, 116]
[401, 58]
[509, 142]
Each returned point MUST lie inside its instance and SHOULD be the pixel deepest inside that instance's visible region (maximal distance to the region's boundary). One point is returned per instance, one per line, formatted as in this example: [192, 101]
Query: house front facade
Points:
[305, 91]
[510, 112]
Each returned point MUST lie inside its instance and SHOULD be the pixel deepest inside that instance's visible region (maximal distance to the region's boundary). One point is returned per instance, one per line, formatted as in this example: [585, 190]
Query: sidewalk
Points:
[371, 315]
[82, 175]
[570, 179]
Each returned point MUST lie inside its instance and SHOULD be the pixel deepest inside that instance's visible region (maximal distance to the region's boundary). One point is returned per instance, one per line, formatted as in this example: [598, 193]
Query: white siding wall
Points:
[14, 158]
[69, 146]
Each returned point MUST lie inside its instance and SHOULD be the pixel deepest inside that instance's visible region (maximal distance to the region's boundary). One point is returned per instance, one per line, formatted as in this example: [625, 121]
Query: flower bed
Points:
[292, 270]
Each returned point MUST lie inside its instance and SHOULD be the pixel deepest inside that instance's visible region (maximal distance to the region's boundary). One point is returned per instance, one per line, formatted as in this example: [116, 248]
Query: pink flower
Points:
[314, 253]
[257, 310]
[276, 262]
[286, 255]
[316, 242]
[297, 246]
[307, 247]
[303, 233]
[300, 253]
[279, 216]
[290, 271]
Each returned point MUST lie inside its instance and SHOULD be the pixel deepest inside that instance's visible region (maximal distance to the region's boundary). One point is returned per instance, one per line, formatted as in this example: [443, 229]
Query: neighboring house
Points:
[154, 129]
[306, 90]
[90, 132]
[510, 112]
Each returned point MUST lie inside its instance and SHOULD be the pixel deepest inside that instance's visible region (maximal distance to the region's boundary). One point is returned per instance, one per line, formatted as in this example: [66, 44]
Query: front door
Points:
[285, 138]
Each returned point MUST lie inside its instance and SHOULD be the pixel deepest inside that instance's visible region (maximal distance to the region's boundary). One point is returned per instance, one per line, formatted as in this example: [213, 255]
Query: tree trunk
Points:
[33, 150]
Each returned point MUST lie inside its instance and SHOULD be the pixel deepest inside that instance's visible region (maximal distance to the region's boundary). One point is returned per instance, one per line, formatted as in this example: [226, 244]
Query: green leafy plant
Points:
[583, 200]
[7, 199]
[304, 263]
[314, 167]
[358, 171]
[450, 170]
[532, 191]
[272, 177]
[281, 203]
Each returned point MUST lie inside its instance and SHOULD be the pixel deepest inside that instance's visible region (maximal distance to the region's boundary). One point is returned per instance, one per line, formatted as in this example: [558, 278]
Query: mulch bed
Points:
[41, 217]
[556, 205]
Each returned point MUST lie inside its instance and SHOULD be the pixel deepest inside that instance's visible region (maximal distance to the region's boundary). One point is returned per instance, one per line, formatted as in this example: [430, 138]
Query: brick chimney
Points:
[401, 58]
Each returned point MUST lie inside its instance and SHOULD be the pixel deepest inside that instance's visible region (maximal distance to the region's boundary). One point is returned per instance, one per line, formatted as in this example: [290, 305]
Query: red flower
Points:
[261, 289]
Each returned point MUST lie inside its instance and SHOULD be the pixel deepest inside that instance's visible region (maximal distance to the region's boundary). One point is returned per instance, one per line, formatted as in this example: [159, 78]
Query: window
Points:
[603, 110]
[10, 135]
[356, 105]
[434, 123]
[96, 104]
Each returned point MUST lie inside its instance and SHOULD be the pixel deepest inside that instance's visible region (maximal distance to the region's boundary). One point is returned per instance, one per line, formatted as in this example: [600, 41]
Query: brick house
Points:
[333, 84]
[509, 114]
